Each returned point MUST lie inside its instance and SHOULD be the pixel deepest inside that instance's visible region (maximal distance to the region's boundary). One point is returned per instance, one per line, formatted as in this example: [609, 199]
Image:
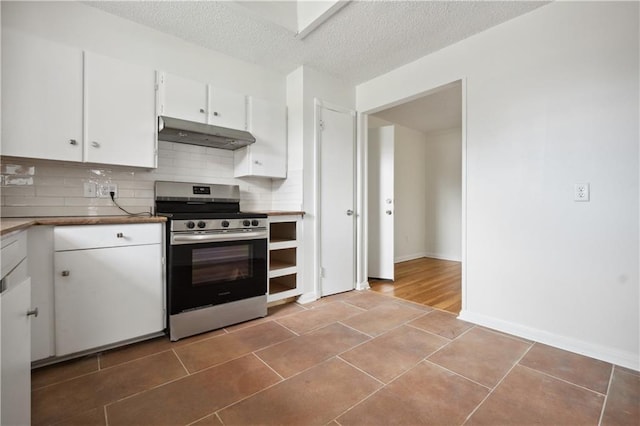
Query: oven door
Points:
[209, 269]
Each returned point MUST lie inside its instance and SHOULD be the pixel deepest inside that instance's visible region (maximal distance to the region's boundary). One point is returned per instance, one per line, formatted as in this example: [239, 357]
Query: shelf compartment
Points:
[281, 284]
[281, 259]
[282, 231]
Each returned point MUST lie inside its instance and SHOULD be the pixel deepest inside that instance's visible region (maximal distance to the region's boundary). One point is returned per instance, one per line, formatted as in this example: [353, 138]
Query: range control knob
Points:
[255, 222]
[201, 224]
[191, 225]
[246, 222]
[225, 223]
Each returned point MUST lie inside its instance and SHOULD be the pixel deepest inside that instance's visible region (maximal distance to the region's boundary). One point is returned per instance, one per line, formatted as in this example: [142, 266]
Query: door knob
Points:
[33, 312]
[120, 235]
[349, 212]
[388, 212]
[65, 273]
[95, 144]
[73, 142]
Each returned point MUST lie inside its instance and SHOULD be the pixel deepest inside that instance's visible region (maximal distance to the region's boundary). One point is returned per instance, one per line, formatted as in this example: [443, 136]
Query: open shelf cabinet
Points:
[285, 257]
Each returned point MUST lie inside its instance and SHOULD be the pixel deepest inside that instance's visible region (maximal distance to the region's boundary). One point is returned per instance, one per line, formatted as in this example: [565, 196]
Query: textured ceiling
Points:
[361, 41]
[437, 111]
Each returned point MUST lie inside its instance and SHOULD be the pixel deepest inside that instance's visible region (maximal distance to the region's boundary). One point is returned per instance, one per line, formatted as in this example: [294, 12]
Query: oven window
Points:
[214, 265]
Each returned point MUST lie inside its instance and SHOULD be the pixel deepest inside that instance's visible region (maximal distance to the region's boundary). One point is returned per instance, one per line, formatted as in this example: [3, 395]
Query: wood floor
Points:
[431, 282]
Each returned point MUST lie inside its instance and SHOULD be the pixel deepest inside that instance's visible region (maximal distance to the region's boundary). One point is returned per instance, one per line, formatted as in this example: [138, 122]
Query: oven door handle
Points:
[217, 238]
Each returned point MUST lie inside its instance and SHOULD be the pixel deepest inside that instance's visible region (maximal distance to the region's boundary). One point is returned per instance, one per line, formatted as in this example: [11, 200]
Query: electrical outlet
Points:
[90, 190]
[581, 192]
[104, 190]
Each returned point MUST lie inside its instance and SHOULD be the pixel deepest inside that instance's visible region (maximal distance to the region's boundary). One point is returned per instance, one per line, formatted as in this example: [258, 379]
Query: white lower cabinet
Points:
[110, 292]
[15, 333]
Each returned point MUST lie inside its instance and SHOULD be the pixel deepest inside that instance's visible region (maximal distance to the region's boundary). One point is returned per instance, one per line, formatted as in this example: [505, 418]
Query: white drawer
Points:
[101, 236]
[14, 249]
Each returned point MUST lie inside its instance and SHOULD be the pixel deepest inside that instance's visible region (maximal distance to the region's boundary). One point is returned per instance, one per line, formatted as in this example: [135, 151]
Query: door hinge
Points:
[321, 124]
[322, 272]
[157, 87]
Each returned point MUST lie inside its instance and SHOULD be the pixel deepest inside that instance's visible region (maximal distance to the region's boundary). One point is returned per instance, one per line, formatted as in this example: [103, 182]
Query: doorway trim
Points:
[317, 162]
[362, 183]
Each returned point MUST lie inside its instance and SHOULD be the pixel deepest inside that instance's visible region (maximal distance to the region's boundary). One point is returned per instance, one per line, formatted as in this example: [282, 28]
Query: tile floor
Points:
[355, 358]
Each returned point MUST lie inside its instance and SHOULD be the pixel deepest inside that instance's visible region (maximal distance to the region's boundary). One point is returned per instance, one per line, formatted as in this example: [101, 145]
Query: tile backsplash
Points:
[52, 188]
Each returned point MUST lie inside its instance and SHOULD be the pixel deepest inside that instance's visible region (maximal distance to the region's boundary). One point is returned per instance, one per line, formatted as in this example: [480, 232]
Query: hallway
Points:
[428, 281]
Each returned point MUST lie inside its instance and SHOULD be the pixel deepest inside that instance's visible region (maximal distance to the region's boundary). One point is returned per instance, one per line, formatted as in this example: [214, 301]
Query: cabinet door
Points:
[120, 112]
[183, 98]
[227, 109]
[268, 155]
[41, 98]
[16, 355]
[104, 296]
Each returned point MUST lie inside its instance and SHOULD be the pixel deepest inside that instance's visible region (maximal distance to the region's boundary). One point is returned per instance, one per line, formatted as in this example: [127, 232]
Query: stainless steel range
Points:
[216, 257]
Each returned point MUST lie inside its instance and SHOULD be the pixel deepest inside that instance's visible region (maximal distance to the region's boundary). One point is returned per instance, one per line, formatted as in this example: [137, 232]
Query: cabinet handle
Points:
[202, 110]
[215, 113]
[65, 273]
[388, 212]
[95, 144]
[33, 312]
[73, 142]
[256, 162]
[349, 212]
[119, 235]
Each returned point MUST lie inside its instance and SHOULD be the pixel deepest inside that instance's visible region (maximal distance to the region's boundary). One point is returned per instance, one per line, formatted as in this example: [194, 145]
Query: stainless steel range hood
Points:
[192, 133]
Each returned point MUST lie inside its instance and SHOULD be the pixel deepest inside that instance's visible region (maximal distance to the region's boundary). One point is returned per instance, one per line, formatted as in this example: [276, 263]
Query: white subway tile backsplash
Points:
[57, 187]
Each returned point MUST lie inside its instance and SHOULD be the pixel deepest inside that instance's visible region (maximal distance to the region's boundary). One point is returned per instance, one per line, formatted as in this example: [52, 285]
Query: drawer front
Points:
[14, 249]
[101, 236]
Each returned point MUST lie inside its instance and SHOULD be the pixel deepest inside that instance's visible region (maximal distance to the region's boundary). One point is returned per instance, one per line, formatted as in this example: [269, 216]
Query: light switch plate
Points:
[89, 190]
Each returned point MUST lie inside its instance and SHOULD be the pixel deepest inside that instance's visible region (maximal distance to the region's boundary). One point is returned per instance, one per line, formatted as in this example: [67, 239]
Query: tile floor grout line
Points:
[180, 361]
[106, 418]
[63, 381]
[286, 328]
[359, 369]
[354, 329]
[606, 397]
[562, 380]
[135, 359]
[426, 359]
[430, 332]
[498, 384]
[218, 416]
[267, 365]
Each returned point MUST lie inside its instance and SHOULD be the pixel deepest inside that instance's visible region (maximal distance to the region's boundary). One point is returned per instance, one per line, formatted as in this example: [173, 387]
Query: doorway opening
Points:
[415, 199]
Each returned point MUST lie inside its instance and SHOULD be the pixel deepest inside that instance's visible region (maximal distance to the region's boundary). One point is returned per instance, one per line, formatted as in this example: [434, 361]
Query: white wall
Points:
[443, 193]
[551, 100]
[410, 194]
[304, 85]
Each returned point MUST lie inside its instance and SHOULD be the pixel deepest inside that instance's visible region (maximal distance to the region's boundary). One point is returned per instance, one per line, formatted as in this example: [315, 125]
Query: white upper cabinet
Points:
[41, 98]
[60, 103]
[227, 108]
[120, 106]
[200, 102]
[183, 98]
[267, 157]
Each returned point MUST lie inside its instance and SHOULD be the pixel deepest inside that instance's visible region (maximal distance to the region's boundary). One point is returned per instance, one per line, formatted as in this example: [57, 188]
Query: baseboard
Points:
[307, 297]
[603, 353]
[443, 257]
[363, 285]
[414, 256]
[408, 257]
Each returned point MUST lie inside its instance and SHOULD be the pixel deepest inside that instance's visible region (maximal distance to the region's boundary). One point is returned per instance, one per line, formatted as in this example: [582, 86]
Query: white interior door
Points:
[337, 201]
[381, 202]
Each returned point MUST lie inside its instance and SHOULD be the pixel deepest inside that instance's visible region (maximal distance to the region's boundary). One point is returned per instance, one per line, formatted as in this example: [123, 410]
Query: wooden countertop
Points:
[280, 213]
[11, 224]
